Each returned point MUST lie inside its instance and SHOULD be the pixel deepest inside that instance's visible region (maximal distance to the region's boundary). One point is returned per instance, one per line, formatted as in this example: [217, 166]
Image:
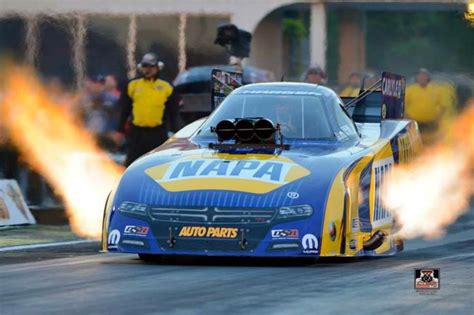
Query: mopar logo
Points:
[258, 174]
[114, 238]
[310, 244]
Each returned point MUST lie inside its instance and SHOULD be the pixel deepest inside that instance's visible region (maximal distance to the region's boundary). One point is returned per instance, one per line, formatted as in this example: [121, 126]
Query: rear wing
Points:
[385, 99]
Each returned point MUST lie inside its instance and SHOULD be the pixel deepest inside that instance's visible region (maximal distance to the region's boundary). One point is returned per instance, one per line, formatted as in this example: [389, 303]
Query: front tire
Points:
[150, 257]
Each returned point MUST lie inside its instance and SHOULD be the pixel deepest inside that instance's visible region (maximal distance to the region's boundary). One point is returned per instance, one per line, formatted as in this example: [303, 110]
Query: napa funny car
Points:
[278, 169]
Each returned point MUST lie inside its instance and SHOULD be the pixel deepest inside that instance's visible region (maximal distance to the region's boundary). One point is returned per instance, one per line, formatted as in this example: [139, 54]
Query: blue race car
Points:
[278, 169]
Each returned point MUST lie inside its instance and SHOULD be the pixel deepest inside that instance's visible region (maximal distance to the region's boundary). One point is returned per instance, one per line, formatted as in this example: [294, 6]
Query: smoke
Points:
[182, 42]
[433, 191]
[32, 40]
[79, 32]
[132, 46]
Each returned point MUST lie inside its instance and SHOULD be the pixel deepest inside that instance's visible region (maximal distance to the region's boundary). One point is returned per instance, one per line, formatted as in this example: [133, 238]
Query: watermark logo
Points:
[427, 279]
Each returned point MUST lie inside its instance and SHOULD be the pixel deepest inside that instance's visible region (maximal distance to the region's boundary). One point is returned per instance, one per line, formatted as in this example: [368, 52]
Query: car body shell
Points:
[312, 200]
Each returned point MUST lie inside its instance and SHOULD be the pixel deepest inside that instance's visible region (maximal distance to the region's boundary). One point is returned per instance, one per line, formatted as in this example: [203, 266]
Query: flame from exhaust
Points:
[59, 148]
[469, 15]
[430, 193]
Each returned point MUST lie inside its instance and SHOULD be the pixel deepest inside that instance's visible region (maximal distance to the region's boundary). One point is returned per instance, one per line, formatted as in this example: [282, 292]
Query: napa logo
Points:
[257, 173]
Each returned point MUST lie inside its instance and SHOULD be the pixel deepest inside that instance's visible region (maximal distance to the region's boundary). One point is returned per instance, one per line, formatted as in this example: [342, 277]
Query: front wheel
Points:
[150, 257]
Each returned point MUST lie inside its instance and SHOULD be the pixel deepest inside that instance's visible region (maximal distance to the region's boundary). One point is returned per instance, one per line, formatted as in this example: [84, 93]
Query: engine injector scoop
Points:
[252, 133]
[246, 130]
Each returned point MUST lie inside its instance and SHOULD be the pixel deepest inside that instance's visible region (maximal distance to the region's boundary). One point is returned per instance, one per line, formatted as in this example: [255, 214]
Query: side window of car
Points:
[315, 123]
[344, 121]
[352, 123]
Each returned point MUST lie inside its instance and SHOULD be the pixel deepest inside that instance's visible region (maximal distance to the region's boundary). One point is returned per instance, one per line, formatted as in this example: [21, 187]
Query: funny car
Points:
[277, 170]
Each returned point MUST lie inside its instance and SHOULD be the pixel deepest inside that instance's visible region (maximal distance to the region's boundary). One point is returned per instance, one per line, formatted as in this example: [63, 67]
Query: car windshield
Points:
[300, 116]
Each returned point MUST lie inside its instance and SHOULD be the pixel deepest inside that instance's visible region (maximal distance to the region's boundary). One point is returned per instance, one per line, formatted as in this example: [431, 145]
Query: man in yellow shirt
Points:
[353, 87]
[148, 103]
[423, 103]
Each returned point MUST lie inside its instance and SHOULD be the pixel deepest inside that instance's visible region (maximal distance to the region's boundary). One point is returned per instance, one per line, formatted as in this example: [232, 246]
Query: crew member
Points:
[353, 87]
[315, 75]
[424, 102]
[149, 104]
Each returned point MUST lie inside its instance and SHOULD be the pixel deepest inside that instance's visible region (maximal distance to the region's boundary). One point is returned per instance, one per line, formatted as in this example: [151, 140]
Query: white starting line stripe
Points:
[43, 245]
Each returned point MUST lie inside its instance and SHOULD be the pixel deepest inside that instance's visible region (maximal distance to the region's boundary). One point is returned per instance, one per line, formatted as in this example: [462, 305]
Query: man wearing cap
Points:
[147, 102]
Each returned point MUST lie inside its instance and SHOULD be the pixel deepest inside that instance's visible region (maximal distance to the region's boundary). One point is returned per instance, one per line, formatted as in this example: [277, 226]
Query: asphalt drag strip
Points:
[90, 283]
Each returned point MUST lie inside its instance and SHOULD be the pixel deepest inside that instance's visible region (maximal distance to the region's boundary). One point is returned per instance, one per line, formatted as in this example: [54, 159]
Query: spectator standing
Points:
[147, 103]
[97, 112]
[315, 75]
[111, 102]
[449, 102]
[427, 103]
[353, 86]
[93, 107]
[111, 86]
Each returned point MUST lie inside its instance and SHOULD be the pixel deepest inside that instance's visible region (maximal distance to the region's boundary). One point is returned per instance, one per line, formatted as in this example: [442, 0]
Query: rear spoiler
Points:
[385, 99]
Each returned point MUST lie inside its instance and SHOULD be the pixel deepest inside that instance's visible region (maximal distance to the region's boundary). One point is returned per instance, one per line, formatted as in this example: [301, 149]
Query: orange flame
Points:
[469, 15]
[432, 192]
[57, 147]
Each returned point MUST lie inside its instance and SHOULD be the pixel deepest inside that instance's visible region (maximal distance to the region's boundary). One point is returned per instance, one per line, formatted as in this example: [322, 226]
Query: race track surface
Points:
[122, 284]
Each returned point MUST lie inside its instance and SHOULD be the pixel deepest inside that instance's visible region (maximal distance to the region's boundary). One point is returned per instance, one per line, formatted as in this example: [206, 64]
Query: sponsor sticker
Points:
[310, 244]
[427, 279]
[136, 230]
[381, 214]
[352, 244]
[285, 234]
[355, 225]
[113, 239]
[258, 174]
[283, 246]
[208, 232]
[393, 94]
[293, 195]
[134, 242]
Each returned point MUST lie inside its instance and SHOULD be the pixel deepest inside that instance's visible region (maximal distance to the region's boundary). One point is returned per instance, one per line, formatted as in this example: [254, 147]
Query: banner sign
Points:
[393, 96]
[13, 209]
[222, 84]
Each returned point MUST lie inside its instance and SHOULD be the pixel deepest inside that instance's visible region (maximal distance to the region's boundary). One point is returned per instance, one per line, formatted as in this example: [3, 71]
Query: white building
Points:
[190, 24]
